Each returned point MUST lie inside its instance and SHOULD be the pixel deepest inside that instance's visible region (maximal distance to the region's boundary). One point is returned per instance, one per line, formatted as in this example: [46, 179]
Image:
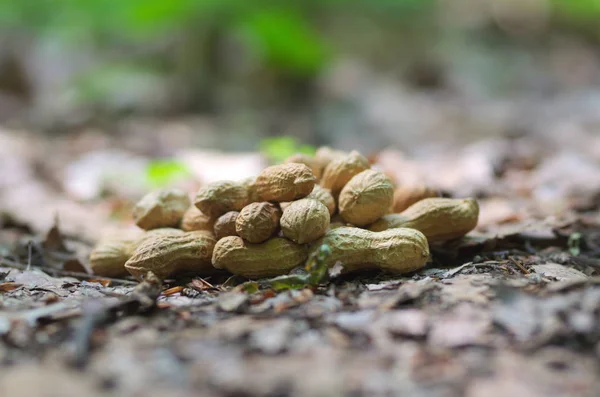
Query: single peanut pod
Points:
[225, 225]
[439, 219]
[220, 197]
[407, 195]
[194, 219]
[250, 185]
[324, 196]
[307, 160]
[109, 256]
[274, 257]
[285, 182]
[395, 250]
[321, 194]
[340, 171]
[257, 222]
[167, 254]
[158, 233]
[305, 220]
[162, 208]
[325, 155]
[366, 197]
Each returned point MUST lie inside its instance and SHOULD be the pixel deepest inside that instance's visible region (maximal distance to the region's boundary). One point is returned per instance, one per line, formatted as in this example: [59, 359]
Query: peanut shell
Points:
[217, 198]
[194, 219]
[407, 195]
[437, 218]
[395, 250]
[307, 160]
[162, 208]
[225, 225]
[366, 197]
[169, 253]
[250, 184]
[109, 256]
[325, 155]
[285, 182]
[305, 220]
[257, 222]
[341, 170]
[274, 257]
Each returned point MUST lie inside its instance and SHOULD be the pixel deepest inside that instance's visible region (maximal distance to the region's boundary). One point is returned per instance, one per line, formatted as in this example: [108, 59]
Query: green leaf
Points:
[161, 173]
[249, 287]
[574, 243]
[284, 39]
[277, 149]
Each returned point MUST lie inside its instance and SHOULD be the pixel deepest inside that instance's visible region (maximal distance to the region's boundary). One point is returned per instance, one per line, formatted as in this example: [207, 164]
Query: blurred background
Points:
[114, 97]
[353, 74]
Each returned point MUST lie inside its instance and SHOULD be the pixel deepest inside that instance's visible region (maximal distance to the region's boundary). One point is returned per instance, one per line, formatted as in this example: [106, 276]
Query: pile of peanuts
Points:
[266, 225]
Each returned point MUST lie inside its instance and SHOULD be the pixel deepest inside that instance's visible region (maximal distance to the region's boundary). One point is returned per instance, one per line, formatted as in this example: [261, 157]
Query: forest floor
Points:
[513, 309]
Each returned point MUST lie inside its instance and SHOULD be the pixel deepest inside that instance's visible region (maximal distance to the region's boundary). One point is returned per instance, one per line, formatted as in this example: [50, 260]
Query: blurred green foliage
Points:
[283, 34]
[277, 149]
[287, 42]
[161, 173]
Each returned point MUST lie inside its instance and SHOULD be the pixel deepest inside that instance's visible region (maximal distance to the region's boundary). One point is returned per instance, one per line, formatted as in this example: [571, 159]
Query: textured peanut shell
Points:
[168, 254]
[274, 257]
[325, 197]
[109, 256]
[194, 219]
[307, 160]
[162, 208]
[341, 170]
[250, 185]
[217, 198]
[321, 194]
[257, 222]
[366, 197]
[325, 155]
[395, 250]
[225, 225]
[305, 220]
[407, 195]
[437, 218]
[285, 182]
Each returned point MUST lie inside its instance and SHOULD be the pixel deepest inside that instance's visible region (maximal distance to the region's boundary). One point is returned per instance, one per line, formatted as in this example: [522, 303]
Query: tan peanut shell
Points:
[325, 197]
[437, 218]
[325, 155]
[395, 250]
[225, 225]
[162, 208]
[285, 182]
[305, 220]
[194, 219]
[321, 194]
[274, 257]
[220, 197]
[366, 197]
[341, 170]
[168, 253]
[257, 222]
[407, 195]
[308, 160]
[250, 184]
[109, 256]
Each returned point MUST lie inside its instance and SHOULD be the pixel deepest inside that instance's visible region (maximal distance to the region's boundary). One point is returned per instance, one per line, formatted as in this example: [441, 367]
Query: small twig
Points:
[64, 273]
[29, 253]
[519, 265]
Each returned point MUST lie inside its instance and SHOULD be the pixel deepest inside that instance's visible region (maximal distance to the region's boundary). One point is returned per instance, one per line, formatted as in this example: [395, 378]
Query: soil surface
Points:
[510, 310]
